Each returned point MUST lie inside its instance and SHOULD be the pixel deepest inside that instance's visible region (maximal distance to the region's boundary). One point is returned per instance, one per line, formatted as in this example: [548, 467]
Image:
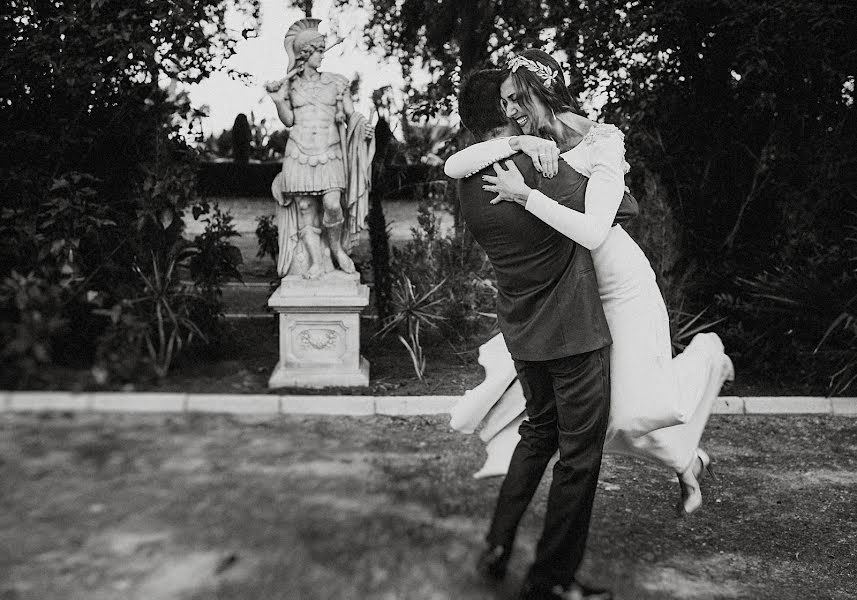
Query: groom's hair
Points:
[479, 102]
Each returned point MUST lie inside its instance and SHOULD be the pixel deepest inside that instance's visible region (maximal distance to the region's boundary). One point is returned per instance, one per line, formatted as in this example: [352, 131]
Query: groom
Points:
[551, 317]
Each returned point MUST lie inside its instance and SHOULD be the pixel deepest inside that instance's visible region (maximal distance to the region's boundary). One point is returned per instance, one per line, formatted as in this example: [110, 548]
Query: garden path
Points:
[192, 507]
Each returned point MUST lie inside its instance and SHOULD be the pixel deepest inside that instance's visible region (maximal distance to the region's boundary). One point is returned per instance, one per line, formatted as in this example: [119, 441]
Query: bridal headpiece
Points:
[543, 72]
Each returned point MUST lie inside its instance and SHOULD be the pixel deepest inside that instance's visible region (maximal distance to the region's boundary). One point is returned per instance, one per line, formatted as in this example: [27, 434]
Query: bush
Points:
[809, 314]
[153, 327]
[466, 301]
[106, 234]
[34, 316]
[268, 237]
[149, 329]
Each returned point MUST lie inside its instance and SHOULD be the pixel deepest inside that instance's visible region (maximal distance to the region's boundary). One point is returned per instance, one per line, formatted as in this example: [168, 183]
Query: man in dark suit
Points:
[554, 326]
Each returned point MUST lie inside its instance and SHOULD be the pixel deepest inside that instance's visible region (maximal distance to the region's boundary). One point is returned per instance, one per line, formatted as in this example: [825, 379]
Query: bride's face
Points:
[526, 114]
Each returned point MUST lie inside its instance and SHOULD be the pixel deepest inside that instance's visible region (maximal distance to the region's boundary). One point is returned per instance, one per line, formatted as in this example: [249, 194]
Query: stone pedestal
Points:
[320, 331]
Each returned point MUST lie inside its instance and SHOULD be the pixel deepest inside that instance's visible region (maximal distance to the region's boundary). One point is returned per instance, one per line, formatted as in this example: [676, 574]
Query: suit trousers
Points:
[568, 403]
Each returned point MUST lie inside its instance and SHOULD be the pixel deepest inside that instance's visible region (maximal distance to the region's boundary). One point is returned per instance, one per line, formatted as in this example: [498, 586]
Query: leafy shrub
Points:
[105, 232]
[267, 236]
[813, 306]
[467, 297]
[150, 329]
[65, 246]
[440, 281]
[213, 262]
[34, 316]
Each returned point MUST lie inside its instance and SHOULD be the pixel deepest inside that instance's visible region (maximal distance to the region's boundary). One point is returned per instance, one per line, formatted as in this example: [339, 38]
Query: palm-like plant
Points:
[159, 316]
[170, 327]
[684, 325]
[820, 300]
[413, 312]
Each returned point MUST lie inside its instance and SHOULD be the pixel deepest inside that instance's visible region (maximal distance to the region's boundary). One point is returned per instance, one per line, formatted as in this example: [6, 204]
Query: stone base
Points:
[309, 378]
[320, 331]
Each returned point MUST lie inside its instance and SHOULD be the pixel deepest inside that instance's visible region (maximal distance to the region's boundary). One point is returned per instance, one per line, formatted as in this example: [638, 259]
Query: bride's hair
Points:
[555, 95]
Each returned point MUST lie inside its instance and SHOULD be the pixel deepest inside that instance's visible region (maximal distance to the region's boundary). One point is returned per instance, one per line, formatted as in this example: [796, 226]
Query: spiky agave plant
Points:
[412, 312]
[818, 299]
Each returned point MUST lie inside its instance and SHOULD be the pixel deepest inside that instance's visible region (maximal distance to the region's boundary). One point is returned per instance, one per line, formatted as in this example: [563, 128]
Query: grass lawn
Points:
[208, 507]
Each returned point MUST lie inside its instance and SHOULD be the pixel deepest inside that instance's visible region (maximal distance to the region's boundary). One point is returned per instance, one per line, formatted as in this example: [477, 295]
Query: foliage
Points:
[164, 315]
[34, 309]
[817, 305]
[215, 260]
[428, 137]
[450, 37]
[411, 313]
[441, 281]
[746, 113]
[82, 83]
[212, 262]
[241, 139]
[264, 144]
[267, 237]
[157, 321]
[431, 256]
[94, 170]
[62, 246]
[685, 325]
[740, 118]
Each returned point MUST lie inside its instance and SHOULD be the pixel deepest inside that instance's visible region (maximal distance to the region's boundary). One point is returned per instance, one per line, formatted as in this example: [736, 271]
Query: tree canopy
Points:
[743, 111]
[76, 73]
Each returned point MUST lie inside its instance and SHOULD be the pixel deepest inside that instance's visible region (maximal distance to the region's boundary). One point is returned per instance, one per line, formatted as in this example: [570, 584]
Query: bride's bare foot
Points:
[344, 262]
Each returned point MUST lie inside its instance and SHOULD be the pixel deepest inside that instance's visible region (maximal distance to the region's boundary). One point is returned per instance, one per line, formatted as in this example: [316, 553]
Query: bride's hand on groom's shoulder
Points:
[509, 184]
[544, 153]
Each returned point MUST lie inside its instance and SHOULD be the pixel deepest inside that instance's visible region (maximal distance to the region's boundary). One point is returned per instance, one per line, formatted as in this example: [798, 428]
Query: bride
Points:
[659, 404]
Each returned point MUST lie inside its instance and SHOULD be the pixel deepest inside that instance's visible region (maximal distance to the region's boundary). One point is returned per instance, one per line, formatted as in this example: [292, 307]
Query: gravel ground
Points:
[208, 507]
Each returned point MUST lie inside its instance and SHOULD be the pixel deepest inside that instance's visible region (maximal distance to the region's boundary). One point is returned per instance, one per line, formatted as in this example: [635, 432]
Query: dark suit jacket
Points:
[548, 304]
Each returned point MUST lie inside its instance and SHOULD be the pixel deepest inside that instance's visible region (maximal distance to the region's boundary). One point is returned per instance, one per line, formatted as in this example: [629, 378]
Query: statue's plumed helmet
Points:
[301, 34]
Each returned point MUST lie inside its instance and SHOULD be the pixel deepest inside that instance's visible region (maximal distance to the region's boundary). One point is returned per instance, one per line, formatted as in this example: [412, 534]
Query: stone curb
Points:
[270, 404]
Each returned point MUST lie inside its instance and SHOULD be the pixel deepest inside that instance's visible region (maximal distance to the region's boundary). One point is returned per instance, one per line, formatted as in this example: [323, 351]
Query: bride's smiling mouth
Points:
[523, 120]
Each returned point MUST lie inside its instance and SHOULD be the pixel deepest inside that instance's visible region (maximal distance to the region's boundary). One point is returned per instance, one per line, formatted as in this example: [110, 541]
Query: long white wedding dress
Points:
[647, 383]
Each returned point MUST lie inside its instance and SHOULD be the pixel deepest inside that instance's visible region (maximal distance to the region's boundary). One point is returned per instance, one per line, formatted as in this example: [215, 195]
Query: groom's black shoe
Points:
[578, 591]
[493, 561]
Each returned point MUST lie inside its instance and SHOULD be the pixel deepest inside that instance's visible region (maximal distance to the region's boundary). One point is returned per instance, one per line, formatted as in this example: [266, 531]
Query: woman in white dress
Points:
[659, 404]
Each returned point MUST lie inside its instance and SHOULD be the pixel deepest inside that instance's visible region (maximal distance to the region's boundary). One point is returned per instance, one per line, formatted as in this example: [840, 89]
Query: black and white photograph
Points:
[428, 300]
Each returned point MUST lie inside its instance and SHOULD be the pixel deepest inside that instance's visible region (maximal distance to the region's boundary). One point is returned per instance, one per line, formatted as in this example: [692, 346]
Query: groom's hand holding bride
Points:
[509, 184]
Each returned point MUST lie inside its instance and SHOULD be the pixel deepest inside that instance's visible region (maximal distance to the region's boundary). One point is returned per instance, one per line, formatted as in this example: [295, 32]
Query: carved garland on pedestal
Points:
[319, 339]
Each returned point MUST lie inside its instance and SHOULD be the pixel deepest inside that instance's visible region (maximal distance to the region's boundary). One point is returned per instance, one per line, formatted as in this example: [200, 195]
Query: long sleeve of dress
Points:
[605, 153]
[476, 157]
